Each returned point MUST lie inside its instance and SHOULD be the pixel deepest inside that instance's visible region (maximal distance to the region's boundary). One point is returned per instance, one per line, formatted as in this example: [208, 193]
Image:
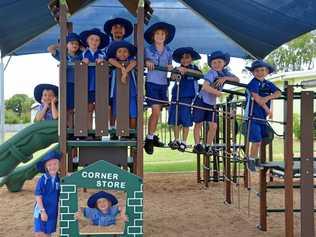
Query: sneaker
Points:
[174, 145]
[251, 164]
[149, 146]
[157, 143]
[209, 150]
[182, 147]
[199, 149]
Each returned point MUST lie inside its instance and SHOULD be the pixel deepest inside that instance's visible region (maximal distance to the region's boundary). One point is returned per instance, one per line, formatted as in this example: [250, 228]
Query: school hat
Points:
[95, 197]
[260, 63]
[40, 166]
[118, 21]
[178, 53]
[38, 91]
[218, 55]
[171, 29]
[115, 45]
[95, 31]
[73, 37]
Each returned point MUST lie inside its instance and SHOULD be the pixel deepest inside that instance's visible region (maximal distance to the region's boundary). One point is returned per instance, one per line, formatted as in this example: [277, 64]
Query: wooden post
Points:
[263, 190]
[228, 152]
[140, 88]
[62, 126]
[307, 165]
[198, 168]
[288, 159]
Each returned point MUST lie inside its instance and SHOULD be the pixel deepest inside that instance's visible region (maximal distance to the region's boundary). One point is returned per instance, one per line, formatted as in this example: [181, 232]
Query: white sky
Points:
[25, 72]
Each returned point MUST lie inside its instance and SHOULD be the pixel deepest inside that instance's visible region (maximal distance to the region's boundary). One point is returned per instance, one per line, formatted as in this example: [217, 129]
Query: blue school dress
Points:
[132, 77]
[48, 115]
[258, 129]
[70, 77]
[157, 84]
[49, 188]
[208, 100]
[188, 89]
[92, 56]
[99, 218]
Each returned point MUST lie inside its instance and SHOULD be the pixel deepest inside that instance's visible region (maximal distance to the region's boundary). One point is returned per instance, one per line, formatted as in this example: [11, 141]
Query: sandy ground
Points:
[175, 205]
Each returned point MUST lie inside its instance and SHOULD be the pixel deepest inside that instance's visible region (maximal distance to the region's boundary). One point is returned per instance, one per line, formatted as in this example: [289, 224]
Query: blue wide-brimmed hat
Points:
[95, 197]
[95, 31]
[260, 63]
[115, 45]
[171, 29]
[118, 21]
[178, 53]
[218, 55]
[40, 166]
[73, 37]
[38, 91]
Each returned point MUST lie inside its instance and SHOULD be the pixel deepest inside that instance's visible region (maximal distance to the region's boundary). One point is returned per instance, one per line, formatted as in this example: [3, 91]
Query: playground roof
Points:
[241, 27]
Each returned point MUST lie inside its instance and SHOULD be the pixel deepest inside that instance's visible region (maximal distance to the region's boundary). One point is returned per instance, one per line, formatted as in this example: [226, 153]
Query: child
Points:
[95, 40]
[262, 91]
[212, 85]
[157, 53]
[118, 29]
[122, 51]
[46, 95]
[103, 210]
[73, 54]
[188, 89]
[47, 195]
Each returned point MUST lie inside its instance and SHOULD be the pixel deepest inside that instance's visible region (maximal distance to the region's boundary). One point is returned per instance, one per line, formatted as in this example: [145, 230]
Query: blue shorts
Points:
[132, 107]
[70, 96]
[48, 227]
[257, 132]
[91, 97]
[200, 115]
[184, 113]
[159, 92]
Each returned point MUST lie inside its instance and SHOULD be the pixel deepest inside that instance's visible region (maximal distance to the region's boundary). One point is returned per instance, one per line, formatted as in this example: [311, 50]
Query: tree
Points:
[297, 55]
[18, 109]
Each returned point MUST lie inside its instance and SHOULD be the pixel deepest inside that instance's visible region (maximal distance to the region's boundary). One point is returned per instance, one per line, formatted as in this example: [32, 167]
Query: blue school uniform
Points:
[132, 77]
[208, 100]
[48, 115]
[99, 218]
[48, 188]
[92, 56]
[258, 129]
[188, 89]
[70, 77]
[157, 84]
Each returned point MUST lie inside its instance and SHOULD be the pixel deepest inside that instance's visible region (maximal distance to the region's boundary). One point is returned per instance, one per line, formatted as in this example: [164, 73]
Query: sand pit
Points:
[174, 206]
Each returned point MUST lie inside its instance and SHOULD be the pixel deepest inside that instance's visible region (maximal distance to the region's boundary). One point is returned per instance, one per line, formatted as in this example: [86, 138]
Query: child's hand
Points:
[170, 67]
[269, 113]
[54, 100]
[150, 65]
[45, 103]
[220, 81]
[182, 70]
[85, 60]
[44, 216]
[78, 214]
[99, 60]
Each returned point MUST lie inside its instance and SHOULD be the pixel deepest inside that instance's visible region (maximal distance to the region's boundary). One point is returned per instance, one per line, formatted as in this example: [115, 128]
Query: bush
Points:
[11, 117]
[297, 125]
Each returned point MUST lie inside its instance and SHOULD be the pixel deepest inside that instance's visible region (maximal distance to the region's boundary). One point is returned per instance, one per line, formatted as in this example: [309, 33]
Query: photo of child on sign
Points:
[101, 212]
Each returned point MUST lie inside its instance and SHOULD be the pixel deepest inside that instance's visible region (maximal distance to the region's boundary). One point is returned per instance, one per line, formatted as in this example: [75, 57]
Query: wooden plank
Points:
[288, 159]
[263, 190]
[102, 99]
[62, 126]
[307, 165]
[122, 105]
[81, 100]
[198, 168]
[228, 194]
[140, 88]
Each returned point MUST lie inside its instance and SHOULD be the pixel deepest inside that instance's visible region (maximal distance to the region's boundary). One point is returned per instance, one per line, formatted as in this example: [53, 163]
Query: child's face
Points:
[186, 59]
[218, 64]
[103, 204]
[118, 32]
[160, 36]
[122, 54]
[261, 72]
[46, 96]
[93, 41]
[73, 46]
[52, 166]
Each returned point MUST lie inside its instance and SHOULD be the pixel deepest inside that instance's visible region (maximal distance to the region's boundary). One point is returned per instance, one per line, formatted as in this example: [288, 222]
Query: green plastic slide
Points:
[22, 145]
[15, 180]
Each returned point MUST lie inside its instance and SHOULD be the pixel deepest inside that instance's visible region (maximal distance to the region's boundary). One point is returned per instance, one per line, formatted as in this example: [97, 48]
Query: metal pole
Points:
[2, 109]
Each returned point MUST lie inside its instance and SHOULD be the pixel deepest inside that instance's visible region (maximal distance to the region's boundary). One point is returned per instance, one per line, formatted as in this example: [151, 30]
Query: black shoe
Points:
[113, 136]
[251, 164]
[174, 145]
[182, 147]
[157, 143]
[199, 149]
[149, 146]
[208, 150]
